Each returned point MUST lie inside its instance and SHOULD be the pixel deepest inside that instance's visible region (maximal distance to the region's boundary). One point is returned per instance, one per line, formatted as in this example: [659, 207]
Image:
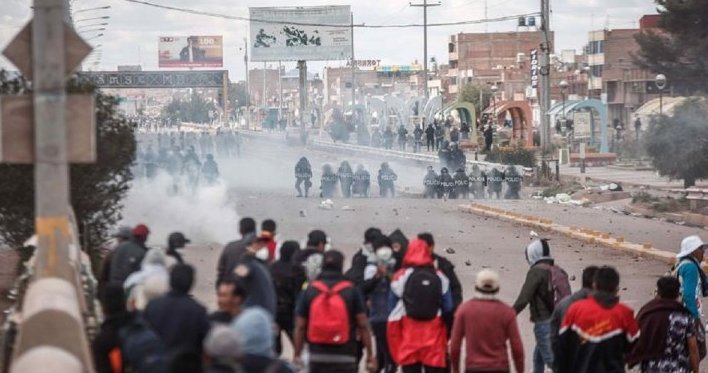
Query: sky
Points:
[133, 29]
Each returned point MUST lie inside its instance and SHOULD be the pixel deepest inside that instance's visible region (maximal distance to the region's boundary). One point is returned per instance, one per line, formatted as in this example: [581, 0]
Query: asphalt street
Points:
[261, 186]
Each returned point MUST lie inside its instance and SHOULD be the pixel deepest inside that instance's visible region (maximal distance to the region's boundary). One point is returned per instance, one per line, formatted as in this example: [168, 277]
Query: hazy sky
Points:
[133, 30]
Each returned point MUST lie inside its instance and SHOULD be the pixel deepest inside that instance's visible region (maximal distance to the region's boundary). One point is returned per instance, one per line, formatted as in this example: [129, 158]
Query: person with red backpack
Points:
[546, 284]
[329, 315]
[417, 336]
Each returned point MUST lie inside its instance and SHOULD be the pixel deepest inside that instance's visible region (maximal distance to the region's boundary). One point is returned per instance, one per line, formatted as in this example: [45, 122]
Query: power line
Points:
[267, 21]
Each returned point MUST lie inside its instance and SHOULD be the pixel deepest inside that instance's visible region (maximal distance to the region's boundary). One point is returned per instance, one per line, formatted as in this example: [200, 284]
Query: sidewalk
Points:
[661, 235]
[626, 177]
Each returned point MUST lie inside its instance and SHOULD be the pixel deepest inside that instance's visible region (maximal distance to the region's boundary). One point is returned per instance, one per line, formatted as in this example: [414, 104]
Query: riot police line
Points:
[477, 184]
[186, 157]
[351, 183]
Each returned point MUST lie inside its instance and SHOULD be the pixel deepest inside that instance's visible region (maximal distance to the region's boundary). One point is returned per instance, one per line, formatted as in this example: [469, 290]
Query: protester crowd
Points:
[399, 304]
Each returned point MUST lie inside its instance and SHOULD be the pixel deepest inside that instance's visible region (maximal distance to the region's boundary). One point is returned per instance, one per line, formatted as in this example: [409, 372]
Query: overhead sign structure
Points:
[191, 51]
[155, 79]
[321, 33]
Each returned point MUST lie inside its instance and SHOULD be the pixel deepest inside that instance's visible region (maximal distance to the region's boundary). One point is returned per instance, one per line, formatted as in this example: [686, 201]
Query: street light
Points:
[90, 9]
[563, 86]
[93, 30]
[90, 19]
[494, 88]
[660, 82]
[93, 37]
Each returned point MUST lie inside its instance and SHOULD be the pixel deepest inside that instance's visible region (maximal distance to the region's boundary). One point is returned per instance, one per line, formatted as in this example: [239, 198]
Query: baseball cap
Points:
[177, 239]
[141, 230]
[123, 232]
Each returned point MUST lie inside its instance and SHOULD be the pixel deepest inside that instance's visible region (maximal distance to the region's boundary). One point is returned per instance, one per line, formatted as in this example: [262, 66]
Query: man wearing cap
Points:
[128, 256]
[175, 241]
[309, 260]
[486, 324]
[689, 272]
[122, 235]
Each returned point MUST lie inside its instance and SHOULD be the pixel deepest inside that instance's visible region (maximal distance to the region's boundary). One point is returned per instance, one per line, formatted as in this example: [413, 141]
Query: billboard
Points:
[191, 51]
[319, 33]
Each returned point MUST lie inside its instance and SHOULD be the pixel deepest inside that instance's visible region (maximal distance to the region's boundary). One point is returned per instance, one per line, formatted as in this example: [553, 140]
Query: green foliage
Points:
[470, 93]
[96, 189]
[678, 145]
[238, 95]
[516, 154]
[194, 110]
[679, 50]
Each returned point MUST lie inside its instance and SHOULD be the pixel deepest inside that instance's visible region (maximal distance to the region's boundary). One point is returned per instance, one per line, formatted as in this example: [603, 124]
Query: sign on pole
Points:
[317, 33]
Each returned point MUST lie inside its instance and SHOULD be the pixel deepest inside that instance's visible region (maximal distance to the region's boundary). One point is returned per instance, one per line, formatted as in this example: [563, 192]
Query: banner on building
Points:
[582, 124]
[534, 68]
[191, 51]
[321, 33]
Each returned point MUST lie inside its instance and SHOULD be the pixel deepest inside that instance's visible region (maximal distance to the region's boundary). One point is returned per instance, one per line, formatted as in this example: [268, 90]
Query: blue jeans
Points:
[542, 354]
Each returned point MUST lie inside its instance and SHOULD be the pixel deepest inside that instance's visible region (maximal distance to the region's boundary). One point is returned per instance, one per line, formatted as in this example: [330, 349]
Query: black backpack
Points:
[142, 349]
[422, 295]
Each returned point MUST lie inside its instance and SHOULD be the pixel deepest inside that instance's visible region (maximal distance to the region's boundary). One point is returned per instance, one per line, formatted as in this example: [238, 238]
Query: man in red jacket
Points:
[486, 324]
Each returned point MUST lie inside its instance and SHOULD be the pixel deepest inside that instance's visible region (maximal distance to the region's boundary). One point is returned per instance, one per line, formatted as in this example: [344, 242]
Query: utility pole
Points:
[302, 66]
[280, 90]
[248, 86]
[425, 6]
[265, 99]
[353, 69]
[545, 76]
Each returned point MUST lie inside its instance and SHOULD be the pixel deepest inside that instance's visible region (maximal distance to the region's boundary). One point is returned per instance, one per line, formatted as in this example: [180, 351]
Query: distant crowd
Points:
[399, 304]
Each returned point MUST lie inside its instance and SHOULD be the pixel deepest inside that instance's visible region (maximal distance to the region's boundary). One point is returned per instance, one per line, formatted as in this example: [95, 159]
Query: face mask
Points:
[384, 254]
[262, 254]
[328, 245]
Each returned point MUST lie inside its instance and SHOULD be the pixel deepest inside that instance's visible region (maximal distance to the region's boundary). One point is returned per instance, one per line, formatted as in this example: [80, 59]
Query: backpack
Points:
[329, 321]
[558, 284]
[422, 294]
[142, 349]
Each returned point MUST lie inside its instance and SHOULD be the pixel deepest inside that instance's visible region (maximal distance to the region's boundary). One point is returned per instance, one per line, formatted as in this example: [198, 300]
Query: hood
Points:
[418, 254]
[537, 251]
[397, 236]
[660, 305]
[254, 331]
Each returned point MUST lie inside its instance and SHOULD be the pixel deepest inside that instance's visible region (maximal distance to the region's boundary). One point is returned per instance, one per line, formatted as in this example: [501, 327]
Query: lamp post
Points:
[563, 86]
[660, 82]
[494, 88]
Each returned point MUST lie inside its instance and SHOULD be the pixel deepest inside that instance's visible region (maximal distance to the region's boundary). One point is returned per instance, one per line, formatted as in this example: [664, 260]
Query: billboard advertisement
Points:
[191, 51]
[319, 33]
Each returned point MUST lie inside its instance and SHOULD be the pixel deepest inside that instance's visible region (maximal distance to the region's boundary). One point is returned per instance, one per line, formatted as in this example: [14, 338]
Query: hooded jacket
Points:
[415, 341]
[536, 292]
[654, 323]
[595, 336]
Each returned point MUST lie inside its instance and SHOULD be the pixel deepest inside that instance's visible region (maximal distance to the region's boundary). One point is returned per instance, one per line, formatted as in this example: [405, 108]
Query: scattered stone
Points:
[572, 278]
[468, 263]
[303, 213]
[450, 250]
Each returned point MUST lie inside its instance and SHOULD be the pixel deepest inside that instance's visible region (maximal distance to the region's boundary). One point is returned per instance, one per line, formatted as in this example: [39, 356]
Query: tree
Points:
[96, 189]
[678, 145]
[678, 50]
[194, 110]
[471, 92]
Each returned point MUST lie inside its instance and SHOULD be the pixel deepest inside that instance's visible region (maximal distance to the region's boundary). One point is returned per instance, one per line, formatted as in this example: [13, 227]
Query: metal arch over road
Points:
[157, 79]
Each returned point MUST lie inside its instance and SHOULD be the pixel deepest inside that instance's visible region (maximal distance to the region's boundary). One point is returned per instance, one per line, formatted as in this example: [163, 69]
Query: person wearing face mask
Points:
[363, 257]
[254, 273]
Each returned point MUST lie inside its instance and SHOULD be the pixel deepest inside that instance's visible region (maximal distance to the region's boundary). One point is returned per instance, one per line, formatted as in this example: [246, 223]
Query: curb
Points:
[589, 236]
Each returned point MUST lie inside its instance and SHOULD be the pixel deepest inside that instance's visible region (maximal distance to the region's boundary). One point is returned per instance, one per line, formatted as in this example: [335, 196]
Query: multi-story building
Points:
[372, 81]
[613, 75]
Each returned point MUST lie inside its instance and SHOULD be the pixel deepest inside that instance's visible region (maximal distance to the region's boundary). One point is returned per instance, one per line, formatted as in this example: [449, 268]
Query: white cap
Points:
[689, 245]
[487, 282]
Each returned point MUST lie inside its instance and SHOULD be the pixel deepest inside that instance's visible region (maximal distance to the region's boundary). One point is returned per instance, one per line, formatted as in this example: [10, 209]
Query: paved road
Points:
[261, 187]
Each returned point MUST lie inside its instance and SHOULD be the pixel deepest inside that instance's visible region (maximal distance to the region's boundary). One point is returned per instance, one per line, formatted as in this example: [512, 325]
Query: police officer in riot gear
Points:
[462, 184]
[447, 184]
[444, 154]
[303, 174]
[456, 157]
[361, 182]
[494, 183]
[210, 170]
[346, 176]
[478, 181]
[328, 182]
[513, 183]
[431, 182]
[386, 181]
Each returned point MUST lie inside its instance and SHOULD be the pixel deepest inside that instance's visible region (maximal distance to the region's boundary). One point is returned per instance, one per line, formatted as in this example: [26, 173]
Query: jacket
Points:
[287, 281]
[595, 336]
[654, 323]
[231, 256]
[179, 320]
[107, 342]
[486, 325]
[691, 277]
[258, 284]
[448, 269]
[126, 259]
[415, 341]
[559, 313]
[535, 292]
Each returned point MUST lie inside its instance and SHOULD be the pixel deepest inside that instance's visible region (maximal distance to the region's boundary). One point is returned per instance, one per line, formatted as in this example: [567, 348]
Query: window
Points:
[596, 70]
[451, 47]
[596, 47]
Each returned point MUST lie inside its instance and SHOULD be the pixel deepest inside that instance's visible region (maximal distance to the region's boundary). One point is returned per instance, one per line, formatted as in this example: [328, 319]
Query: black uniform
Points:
[478, 181]
[386, 181]
[444, 154]
[513, 182]
[303, 173]
[388, 138]
[494, 183]
[431, 182]
[346, 178]
[462, 185]
[418, 138]
[402, 138]
[430, 137]
[361, 182]
[447, 184]
[456, 157]
[328, 182]
[210, 170]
